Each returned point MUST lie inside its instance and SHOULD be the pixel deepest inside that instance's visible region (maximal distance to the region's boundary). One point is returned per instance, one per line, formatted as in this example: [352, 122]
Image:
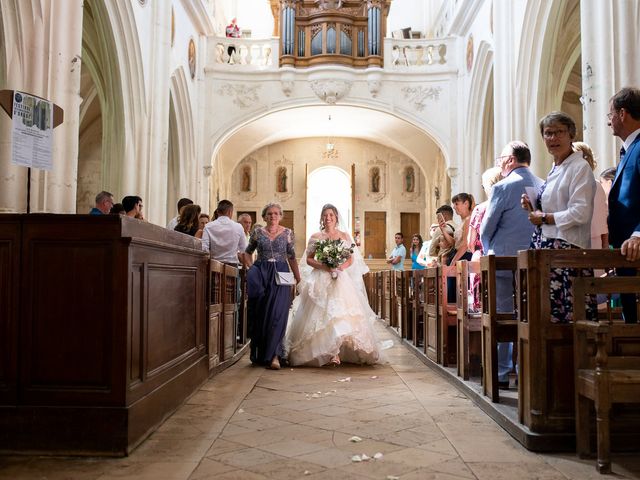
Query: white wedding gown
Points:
[332, 317]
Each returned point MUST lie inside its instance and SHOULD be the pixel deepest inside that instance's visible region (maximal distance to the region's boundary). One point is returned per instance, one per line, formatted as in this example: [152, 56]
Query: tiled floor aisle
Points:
[250, 423]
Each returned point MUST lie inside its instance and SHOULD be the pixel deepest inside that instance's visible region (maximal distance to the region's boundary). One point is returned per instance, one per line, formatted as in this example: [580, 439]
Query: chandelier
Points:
[330, 151]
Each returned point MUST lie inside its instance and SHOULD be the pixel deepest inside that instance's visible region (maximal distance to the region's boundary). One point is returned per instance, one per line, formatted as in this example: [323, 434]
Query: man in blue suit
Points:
[624, 197]
[506, 229]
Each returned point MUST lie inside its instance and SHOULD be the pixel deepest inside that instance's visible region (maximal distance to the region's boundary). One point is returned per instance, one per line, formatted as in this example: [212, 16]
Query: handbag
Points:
[285, 278]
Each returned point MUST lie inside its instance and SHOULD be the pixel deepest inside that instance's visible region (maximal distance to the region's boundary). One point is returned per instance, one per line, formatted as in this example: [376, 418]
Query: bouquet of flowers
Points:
[332, 253]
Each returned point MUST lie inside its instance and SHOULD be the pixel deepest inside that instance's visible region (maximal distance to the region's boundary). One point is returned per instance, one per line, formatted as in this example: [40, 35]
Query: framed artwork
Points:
[192, 58]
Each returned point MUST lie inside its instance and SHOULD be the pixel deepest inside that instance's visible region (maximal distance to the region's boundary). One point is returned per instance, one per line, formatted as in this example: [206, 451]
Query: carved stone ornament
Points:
[244, 178]
[452, 172]
[283, 179]
[374, 82]
[376, 179]
[330, 91]
[287, 82]
[243, 96]
[419, 95]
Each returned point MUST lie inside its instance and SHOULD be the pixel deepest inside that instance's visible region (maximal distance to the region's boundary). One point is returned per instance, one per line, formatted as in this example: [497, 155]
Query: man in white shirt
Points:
[224, 238]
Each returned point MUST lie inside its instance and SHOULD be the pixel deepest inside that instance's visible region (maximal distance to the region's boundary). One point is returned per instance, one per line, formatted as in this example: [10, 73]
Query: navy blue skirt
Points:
[267, 310]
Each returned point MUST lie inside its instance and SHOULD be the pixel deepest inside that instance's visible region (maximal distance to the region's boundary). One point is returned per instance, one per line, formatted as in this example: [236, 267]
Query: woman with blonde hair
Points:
[599, 227]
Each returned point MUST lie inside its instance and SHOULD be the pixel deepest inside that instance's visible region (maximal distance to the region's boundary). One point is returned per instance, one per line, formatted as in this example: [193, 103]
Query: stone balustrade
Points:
[418, 54]
[244, 53]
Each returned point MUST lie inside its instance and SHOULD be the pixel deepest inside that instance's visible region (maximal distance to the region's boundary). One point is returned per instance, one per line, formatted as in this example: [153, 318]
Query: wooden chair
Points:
[496, 326]
[469, 323]
[417, 307]
[546, 394]
[431, 315]
[609, 375]
[447, 317]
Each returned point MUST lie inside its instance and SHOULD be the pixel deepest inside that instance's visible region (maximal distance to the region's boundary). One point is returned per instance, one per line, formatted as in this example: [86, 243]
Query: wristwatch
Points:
[544, 218]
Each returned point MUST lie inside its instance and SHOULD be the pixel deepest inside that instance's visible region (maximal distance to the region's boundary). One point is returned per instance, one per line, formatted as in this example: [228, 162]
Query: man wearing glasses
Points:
[505, 229]
[104, 202]
[624, 197]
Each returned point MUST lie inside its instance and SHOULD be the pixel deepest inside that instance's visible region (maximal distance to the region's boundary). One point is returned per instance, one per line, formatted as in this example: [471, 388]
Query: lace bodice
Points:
[280, 248]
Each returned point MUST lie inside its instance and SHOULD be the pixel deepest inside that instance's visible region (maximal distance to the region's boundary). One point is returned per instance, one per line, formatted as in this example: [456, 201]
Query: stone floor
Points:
[250, 423]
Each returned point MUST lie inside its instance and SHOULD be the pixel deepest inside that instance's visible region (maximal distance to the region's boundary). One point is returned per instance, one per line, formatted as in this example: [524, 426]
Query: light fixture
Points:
[330, 146]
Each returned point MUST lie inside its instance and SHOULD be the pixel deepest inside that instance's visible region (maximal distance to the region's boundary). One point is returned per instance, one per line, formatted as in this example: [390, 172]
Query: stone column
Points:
[153, 182]
[609, 62]
[43, 52]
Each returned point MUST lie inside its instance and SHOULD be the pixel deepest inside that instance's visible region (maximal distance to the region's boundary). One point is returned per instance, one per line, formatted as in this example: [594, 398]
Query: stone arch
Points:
[182, 166]
[3, 53]
[111, 55]
[480, 118]
[551, 33]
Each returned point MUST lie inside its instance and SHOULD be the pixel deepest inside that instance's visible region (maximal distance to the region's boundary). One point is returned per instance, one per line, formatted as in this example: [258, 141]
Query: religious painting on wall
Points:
[374, 174]
[192, 58]
[409, 180]
[246, 179]
[281, 180]
[470, 53]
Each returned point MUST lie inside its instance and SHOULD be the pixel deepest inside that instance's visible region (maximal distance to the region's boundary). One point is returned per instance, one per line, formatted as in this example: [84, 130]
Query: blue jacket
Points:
[624, 197]
[506, 227]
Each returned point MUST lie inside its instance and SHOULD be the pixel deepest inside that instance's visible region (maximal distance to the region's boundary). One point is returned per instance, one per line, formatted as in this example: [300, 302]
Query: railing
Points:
[244, 53]
[418, 54]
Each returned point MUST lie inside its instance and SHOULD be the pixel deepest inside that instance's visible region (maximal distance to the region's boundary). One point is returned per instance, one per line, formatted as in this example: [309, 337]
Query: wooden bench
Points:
[469, 324]
[216, 309]
[546, 402]
[608, 374]
[431, 314]
[379, 294]
[398, 319]
[417, 303]
[387, 307]
[447, 318]
[496, 326]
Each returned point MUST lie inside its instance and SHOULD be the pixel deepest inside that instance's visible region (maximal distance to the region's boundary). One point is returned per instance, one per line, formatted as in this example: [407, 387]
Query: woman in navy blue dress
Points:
[268, 305]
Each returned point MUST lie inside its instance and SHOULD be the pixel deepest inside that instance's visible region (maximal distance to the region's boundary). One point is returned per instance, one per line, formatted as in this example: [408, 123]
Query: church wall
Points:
[295, 154]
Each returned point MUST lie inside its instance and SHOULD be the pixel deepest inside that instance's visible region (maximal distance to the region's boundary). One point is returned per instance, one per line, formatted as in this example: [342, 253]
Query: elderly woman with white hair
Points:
[269, 298]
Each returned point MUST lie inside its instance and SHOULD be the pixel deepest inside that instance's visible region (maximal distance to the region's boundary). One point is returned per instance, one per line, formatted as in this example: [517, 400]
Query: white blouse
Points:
[569, 197]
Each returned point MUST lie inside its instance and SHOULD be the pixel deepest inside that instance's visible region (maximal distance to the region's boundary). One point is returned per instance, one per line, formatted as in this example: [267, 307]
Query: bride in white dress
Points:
[332, 320]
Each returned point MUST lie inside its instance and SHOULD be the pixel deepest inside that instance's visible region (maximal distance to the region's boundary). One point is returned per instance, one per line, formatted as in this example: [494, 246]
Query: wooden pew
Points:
[230, 312]
[387, 307]
[447, 318]
[431, 314]
[608, 374]
[379, 294]
[216, 309]
[417, 302]
[96, 371]
[546, 402]
[496, 327]
[398, 319]
[469, 324]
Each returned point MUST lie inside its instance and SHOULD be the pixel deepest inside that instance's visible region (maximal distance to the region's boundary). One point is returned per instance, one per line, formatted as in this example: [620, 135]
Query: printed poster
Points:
[32, 132]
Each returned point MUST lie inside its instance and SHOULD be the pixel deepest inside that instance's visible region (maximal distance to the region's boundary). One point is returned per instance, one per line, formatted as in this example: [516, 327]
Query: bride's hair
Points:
[326, 207]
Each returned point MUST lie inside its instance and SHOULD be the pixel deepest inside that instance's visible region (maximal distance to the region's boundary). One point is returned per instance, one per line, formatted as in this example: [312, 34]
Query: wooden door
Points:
[253, 215]
[287, 219]
[409, 224]
[375, 229]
